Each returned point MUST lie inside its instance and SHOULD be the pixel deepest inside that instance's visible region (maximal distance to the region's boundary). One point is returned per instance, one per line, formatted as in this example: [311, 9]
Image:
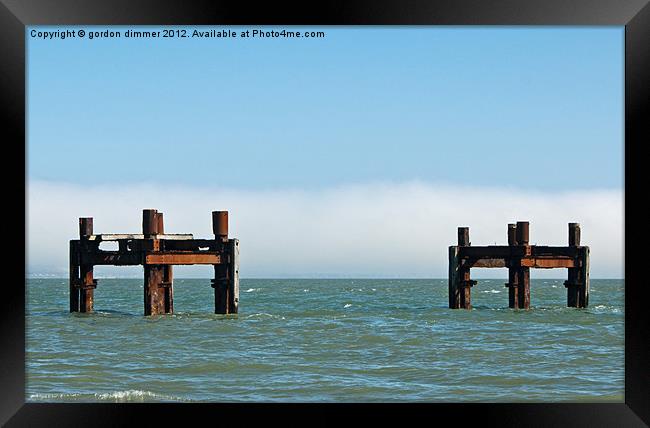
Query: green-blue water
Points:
[326, 340]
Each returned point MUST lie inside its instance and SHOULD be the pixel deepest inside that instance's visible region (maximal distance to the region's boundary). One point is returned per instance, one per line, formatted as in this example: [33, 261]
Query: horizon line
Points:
[301, 277]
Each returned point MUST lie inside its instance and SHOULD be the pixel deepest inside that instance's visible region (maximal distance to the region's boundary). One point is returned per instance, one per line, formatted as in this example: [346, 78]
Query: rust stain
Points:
[157, 252]
[519, 257]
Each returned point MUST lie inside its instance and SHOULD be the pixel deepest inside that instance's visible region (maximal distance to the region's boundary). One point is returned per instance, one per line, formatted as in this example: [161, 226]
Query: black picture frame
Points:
[15, 15]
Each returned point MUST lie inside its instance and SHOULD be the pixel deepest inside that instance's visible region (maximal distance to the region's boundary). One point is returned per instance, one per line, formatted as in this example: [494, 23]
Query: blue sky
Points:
[537, 111]
[454, 104]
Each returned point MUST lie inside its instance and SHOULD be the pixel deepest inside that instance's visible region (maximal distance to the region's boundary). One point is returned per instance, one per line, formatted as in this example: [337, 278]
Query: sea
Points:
[326, 340]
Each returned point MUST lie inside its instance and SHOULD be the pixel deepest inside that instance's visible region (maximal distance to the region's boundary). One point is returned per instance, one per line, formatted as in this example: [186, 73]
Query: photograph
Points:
[383, 208]
[312, 181]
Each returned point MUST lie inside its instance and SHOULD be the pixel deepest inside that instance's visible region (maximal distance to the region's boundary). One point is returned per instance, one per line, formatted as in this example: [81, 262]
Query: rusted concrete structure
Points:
[157, 252]
[519, 257]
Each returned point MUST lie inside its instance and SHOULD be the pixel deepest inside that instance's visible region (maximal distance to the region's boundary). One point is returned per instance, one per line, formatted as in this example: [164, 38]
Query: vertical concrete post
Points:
[574, 234]
[522, 232]
[87, 283]
[571, 283]
[577, 283]
[583, 294]
[167, 274]
[160, 223]
[226, 273]
[154, 292]
[220, 225]
[524, 288]
[523, 273]
[85, 227]
[154, 298]
[513, 277]
[463, 236]
[465, 283]
[149, 223]
[233, 276]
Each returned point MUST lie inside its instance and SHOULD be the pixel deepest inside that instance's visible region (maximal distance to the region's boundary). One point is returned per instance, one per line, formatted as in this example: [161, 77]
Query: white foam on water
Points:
[347, 305]
[132, 395]
[115, 396]
[261, 314]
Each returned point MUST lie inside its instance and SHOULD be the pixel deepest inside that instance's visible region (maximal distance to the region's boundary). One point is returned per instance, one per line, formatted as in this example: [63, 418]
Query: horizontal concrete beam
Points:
[126, 236]
[531, 262]
[167, 258]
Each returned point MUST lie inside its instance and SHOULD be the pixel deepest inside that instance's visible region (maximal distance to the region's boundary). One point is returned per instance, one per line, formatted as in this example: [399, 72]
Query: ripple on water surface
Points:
[325, 340]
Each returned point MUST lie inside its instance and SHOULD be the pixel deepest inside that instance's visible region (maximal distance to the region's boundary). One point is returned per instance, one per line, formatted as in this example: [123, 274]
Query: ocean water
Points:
[353, 340]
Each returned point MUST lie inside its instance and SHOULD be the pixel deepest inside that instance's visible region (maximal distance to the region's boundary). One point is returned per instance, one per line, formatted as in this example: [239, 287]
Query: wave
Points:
[263, 315]
[129, 396]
